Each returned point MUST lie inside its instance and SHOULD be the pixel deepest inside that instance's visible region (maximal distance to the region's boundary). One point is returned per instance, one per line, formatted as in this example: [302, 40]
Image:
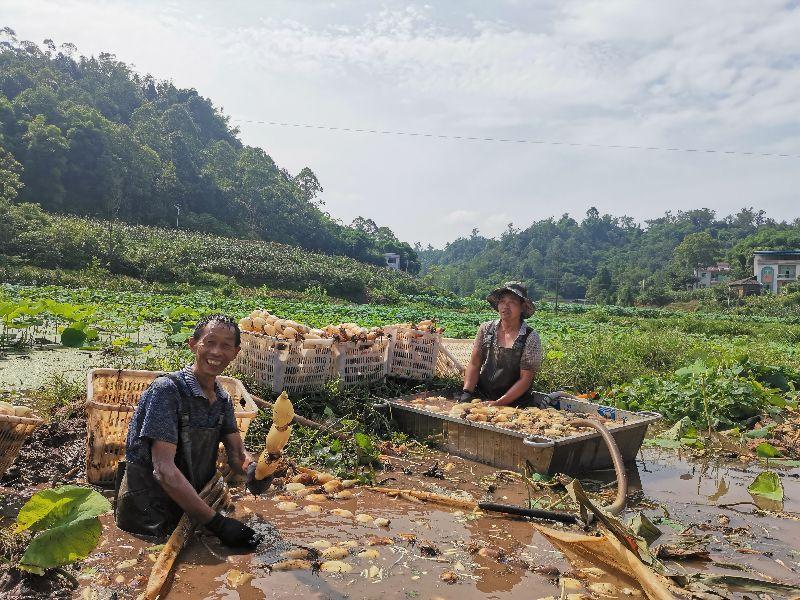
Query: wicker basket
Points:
[454, 356]
[412, 354]
[13, 432]
[360, 363]
[111, 398]
[280, 365]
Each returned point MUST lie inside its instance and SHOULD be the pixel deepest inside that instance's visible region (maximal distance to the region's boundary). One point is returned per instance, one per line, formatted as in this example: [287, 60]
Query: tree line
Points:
[88, 136]
[608, 259]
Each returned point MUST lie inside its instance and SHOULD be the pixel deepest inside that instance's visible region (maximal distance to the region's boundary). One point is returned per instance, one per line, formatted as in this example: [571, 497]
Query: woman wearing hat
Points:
[507, 353]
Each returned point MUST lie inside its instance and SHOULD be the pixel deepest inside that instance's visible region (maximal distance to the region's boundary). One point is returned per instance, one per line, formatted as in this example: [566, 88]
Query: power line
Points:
[470, 138]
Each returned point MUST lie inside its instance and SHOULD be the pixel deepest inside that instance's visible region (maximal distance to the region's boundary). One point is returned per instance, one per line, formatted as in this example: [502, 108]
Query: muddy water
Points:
[692, 491]
[688, 491]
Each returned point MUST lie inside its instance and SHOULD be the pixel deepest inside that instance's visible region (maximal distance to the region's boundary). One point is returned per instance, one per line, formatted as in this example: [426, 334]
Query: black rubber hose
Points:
[619, 466]
[534, 513]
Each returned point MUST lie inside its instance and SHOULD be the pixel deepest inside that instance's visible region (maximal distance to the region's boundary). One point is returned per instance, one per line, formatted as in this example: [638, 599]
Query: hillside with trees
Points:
[608, 259]
[90, 137]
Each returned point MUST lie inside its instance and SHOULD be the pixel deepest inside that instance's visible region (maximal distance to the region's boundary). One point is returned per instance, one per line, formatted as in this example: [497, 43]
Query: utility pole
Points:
[558, 277]
[177, 216]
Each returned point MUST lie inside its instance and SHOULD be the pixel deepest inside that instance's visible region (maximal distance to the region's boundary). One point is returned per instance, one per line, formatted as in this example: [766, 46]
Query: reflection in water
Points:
[722, 489]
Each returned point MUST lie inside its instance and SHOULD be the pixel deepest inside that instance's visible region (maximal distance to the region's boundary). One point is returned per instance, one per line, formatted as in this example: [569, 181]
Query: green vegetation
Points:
[718, 369]
[31, 240]
[610, 260]
[90, 137]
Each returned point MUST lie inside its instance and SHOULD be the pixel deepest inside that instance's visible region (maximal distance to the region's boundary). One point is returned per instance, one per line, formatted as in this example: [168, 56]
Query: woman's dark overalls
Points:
[500, 369]
[143, 506]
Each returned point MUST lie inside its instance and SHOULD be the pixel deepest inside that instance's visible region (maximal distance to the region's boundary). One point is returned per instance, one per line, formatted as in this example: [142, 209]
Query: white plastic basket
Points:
[360, 363]
[281, 365]
[412, 354]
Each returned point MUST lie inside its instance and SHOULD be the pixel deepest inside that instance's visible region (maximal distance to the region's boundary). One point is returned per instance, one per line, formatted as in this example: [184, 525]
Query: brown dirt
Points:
[54, 454]
[17, 585]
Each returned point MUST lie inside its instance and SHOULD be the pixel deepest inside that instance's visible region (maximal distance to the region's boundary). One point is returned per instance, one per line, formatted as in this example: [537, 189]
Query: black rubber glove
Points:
[256, 486]
[233, 533]
[466, 396]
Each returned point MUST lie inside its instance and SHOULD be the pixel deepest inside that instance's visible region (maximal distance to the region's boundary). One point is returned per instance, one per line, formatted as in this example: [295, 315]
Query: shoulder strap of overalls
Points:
[520, 342]
[490, 334]
[186, 441]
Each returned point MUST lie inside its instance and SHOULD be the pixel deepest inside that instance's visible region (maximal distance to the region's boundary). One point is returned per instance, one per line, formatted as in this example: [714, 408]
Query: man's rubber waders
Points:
[143, 506]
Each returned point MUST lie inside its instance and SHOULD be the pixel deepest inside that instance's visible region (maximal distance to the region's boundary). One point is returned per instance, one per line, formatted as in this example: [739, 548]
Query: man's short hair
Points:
[217, 318]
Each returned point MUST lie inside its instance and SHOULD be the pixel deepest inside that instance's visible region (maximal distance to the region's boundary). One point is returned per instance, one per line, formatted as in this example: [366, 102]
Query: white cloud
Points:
[463, 216]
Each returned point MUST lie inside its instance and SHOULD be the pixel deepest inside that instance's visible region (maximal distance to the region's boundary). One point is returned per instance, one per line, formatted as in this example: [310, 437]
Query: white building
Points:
[775, 268]
[708, 276]
[392, 260]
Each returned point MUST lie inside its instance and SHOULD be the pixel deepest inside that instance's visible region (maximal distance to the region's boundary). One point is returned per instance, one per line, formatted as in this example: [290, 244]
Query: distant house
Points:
[710, 276]
[775, 268]
[745, 287]
[392, 260]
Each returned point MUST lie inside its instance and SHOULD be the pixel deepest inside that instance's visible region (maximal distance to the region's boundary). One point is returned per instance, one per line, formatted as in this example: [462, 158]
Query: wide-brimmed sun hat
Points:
[518, 289]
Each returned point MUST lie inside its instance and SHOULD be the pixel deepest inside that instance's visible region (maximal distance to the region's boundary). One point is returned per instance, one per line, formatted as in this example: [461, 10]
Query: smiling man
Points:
[173, 439]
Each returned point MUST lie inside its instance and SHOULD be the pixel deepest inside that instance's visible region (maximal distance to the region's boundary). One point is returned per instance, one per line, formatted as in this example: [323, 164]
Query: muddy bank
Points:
[54, 454]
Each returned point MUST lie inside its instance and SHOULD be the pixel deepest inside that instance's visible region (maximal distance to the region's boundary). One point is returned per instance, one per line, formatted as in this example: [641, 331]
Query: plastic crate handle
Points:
[548, 444]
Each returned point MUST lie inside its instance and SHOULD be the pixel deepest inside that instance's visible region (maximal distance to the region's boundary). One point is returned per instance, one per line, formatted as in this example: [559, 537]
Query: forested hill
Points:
[90, 137]
[608, 259]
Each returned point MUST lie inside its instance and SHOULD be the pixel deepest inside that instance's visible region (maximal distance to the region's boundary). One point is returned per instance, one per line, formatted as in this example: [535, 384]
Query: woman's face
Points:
[509, 307]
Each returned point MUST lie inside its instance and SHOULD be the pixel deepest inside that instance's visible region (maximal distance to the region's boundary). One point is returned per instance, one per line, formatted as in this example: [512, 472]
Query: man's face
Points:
[509, 306]
[215, 349]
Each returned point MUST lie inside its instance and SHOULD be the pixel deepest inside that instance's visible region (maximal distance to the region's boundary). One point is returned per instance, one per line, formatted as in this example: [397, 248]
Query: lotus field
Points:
[719, 371]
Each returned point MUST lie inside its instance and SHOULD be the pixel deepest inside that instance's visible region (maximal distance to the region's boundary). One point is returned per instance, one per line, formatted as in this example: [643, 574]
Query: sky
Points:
[721, 75]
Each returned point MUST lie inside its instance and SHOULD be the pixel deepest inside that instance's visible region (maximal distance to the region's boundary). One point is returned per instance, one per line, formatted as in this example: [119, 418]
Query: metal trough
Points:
[507, 449]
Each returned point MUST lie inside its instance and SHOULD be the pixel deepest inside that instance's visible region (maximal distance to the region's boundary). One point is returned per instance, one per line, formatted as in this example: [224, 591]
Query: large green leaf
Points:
[73, 337]
[61, 545]
[59, 507]
[767, 485]
[767, 450]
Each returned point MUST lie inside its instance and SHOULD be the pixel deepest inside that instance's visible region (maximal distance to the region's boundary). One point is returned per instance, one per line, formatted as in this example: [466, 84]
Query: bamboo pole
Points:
[426, 496]
[215, 495]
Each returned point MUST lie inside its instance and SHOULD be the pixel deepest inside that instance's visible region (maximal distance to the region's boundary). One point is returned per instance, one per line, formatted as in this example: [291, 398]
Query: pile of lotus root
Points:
[421, 328]
[547, 422]
[262, 322]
